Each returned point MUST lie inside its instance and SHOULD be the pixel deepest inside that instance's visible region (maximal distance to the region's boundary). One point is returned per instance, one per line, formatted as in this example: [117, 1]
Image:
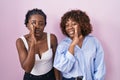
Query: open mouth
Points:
[71, 32]
[37, 31]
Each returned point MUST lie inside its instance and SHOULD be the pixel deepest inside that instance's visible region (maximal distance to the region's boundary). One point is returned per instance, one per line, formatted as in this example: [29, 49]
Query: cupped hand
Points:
[32, 33]
[75, 38]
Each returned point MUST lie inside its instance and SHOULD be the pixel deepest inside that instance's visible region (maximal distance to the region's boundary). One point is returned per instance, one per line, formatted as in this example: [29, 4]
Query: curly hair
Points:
[33, 12]
[78, 16]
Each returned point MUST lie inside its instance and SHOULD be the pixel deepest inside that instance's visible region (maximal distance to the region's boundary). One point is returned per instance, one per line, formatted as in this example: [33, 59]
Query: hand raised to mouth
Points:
[75, 38]
[32, 33]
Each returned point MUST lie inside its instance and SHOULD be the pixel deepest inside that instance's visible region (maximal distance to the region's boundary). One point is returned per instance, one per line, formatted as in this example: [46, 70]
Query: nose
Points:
[36, 25]
[69, 27]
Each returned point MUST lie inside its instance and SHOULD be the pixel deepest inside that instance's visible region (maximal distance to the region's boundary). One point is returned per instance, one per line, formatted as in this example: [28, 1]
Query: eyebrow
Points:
[38, 21]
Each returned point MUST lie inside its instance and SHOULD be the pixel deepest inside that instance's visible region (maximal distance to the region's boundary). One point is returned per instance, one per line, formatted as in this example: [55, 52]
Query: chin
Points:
[37, 35]
[71, 36]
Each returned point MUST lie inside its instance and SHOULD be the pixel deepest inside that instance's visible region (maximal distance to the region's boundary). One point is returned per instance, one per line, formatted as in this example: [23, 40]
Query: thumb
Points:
[32, 28]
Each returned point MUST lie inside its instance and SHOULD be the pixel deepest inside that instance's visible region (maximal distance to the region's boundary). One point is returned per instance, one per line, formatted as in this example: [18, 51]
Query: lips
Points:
[37, 31]
[71, 32]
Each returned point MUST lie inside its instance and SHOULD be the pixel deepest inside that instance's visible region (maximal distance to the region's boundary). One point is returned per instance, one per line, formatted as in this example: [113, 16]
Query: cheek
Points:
[29, 28]
[66, 30]
[42, 29]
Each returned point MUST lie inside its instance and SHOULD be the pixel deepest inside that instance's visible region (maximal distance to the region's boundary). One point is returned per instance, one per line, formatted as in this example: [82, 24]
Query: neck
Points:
[39, 37]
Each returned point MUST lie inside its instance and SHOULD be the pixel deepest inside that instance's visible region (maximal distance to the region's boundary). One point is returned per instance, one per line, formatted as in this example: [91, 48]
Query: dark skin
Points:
[37, 42]
[73, 30]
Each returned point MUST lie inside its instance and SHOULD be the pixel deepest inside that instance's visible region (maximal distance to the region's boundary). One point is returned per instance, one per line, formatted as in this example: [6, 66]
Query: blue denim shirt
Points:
[87, 61]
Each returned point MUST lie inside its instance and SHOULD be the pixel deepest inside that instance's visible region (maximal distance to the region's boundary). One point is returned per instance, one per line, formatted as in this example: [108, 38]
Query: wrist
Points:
[71, 48]
[72, 45]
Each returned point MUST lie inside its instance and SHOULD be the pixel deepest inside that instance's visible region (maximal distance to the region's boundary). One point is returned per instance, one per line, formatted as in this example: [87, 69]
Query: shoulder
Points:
[19, 41]
[53, 39]
[53, 36]
[65, 41]
[64, 44]
[92, 40]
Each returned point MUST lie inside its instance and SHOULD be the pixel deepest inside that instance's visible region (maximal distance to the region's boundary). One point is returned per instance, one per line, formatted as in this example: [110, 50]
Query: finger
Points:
[76, 32]
[81, 36]
[32, 28]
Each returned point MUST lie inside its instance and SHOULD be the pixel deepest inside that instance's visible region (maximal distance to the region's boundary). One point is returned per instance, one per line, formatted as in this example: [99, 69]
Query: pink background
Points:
[104, 15]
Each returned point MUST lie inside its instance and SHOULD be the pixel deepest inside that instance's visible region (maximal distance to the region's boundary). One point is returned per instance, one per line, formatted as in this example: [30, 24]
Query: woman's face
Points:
[70, 28]
[38, 22]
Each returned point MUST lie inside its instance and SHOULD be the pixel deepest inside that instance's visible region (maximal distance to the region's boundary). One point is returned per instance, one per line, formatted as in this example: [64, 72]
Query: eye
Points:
[66, 26]
[41, 24]
[33, 22]
[73, 24]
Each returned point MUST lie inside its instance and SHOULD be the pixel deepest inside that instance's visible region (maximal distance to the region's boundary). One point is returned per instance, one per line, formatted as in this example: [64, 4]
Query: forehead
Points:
[36, 17]
[70, 21]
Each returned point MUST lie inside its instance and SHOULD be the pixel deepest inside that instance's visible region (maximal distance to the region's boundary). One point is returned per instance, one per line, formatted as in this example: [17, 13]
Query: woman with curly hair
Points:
[80, 55]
